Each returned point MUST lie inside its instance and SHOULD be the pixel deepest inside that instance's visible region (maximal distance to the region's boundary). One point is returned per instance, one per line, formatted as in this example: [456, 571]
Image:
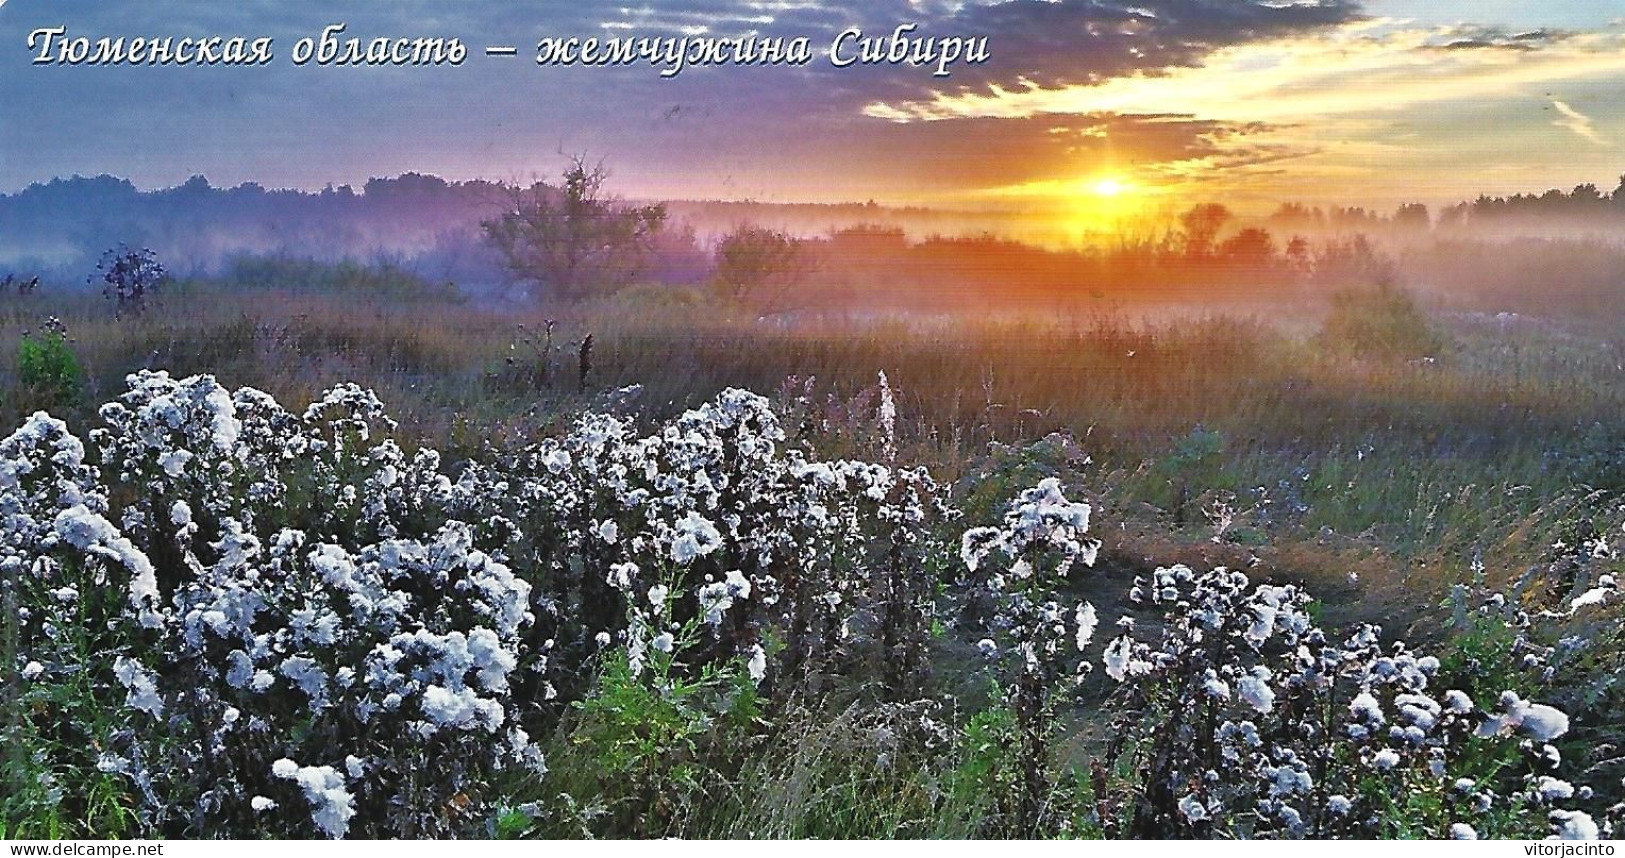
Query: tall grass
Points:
[1413, 453]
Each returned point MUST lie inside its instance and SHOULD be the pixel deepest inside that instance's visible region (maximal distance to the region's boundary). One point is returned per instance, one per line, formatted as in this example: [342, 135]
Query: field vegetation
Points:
[1310, 540]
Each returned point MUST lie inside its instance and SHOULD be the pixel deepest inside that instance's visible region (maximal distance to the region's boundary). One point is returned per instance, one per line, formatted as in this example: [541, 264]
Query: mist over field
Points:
[1476, 255]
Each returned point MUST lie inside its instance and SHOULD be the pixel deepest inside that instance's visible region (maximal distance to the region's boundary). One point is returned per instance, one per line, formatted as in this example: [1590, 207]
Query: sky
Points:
[1087, 105]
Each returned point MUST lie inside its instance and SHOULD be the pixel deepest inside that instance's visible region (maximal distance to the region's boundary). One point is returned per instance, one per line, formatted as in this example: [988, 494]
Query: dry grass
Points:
[1463, 454]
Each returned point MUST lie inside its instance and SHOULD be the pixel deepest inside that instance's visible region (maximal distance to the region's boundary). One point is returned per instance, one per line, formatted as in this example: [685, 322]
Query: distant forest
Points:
[1584, 204]
[431, 227]
[415, 221]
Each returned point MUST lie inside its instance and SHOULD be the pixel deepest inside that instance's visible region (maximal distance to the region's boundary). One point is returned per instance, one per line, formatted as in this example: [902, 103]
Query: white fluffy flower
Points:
[1553, 789]
[141, 685]
[1256, 692]
[1116, 657]
[1593, 596]
[695, 537]
[714, 601]
[621, 575]
[1575, 825]
[977, 543]
[1457, 702]
[331, 804]
[757, 664]
[1192, 809]
[1543, 722]
[1087, 622]
[174, 461]
[1366, 708]
[89, 532]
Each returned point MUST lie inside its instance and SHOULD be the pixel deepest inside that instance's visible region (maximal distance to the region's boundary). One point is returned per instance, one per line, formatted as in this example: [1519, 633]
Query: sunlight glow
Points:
[1109, 187]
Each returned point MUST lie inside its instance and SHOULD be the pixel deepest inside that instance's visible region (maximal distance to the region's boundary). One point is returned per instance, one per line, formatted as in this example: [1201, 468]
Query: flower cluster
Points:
[302, 653]
[1019, 570]
[292, 624]
[710, 521]
[1268, 725]
[316, 631]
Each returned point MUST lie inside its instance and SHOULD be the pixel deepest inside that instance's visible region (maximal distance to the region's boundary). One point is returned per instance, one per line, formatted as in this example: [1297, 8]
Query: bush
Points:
[130, 278]
[1383, 322]
[1032, 630]
[279, 661]
[48, 370]
[575, 240]
[1242, 717]
[1246, 719]
[300, 630]
[760, 263]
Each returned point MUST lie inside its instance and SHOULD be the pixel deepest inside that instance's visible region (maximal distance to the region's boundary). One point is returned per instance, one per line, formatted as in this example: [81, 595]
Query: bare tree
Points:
[574, 240]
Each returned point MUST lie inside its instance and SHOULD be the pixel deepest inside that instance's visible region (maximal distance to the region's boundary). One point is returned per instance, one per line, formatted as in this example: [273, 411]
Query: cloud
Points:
[507, 118]
[1377, 109]
[993, 153]
[1362, 68]
[1172, 91]
[1473, 37]
[1057, 43]
[1050, 44]
[1578, 122]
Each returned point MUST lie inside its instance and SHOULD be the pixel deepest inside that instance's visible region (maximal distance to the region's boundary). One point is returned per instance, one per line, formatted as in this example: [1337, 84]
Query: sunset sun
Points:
[1109, 187]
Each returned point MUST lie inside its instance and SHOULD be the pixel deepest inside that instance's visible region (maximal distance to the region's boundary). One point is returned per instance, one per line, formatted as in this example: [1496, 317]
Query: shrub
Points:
[281, 658]
[302, 630]
[761, 263]
[48, 370]
[575, 240]
[1031, 630]
[1382, 322]
[129, 278]
[1246, 719]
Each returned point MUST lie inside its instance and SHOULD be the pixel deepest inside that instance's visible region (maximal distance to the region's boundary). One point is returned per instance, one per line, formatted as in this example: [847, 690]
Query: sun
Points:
[1109, 187]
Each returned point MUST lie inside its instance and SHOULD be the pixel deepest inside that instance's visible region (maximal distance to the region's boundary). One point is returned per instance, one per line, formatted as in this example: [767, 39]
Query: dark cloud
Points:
[1470, 38]
[1058, 43]
[281, 124]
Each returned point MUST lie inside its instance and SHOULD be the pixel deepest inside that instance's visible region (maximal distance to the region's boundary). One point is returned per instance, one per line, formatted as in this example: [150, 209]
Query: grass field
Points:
[1392, 455]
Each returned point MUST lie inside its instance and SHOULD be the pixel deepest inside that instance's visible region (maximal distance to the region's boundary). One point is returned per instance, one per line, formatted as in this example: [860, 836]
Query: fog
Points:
[1549, 253]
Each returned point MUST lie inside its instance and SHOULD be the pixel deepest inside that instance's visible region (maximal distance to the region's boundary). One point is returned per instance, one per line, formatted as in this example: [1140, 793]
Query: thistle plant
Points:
[1022, 568]
[1267, 725]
